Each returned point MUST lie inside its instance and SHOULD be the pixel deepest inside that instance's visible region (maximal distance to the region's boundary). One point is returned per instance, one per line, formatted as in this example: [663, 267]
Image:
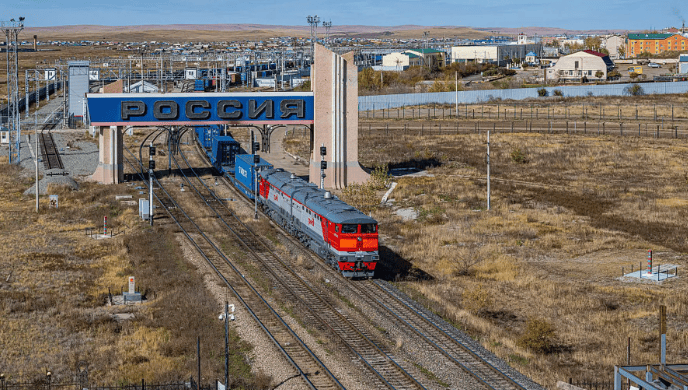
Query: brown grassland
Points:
[54, 283]
[537, 278]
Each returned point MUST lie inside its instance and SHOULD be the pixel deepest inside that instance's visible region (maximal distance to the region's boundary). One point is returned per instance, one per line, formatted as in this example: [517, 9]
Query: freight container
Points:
[223, 152]
[245, 173]
[206, 134]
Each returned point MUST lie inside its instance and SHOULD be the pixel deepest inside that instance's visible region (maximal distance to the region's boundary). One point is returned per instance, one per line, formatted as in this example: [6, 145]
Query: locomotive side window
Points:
[349, 229]
[336, 228]
[368, 228]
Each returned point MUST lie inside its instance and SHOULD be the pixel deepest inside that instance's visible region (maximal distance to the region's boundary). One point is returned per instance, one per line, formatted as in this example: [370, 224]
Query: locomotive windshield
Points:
[368, 228]
[349, 228]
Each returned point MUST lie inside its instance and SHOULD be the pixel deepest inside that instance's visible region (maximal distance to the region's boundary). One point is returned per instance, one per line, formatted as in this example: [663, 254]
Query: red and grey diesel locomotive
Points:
[339, 233]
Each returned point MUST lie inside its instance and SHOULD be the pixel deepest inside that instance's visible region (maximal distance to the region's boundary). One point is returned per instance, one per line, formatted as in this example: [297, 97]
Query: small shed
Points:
[531, 58]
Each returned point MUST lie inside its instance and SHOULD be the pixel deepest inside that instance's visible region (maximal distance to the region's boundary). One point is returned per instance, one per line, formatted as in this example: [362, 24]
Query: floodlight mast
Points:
[327, 26]
[313, 21]
[12, 30]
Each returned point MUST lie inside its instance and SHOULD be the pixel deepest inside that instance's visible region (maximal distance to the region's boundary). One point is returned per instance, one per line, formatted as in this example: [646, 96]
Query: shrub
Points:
[538, 337]
[518, 156]
[542, 92]
[557, 92]
[634, 90]
[599, 74]
[633, 75]
[476, 300]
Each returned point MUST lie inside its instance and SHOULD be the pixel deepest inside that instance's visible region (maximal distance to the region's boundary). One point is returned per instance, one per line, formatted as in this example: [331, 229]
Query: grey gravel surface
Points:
[79, 154]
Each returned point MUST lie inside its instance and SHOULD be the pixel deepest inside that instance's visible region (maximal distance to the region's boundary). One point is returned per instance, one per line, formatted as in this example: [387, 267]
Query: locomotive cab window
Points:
[368, 228]
[349, 229]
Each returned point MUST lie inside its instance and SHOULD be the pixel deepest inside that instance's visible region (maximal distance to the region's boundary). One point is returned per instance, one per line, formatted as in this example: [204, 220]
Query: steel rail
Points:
[261, 323]
[500, 379]
[297, 283]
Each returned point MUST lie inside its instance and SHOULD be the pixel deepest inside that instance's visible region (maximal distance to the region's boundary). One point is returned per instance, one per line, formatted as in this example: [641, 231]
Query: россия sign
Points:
[177, 109]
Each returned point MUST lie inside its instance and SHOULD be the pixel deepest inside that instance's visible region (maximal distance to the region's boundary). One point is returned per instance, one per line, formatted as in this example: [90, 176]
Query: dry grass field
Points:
[537, 278]
[54, 283]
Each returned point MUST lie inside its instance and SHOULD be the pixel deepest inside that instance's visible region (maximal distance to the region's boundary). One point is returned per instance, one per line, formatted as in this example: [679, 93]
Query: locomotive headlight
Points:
[360, 239]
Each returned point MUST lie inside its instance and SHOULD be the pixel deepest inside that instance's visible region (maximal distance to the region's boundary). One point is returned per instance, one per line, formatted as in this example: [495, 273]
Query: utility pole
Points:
[488, 170]
[151, 167]
[37, 185]
[256, 161]
[12, 30]
[456, 93]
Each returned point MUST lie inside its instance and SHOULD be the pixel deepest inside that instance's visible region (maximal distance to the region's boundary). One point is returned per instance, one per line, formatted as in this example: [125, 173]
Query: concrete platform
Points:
[658, 274]
[281, 159]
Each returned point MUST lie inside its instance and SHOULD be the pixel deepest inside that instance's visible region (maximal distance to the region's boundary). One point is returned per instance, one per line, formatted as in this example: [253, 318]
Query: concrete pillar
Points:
[110, 168]
[335, 88]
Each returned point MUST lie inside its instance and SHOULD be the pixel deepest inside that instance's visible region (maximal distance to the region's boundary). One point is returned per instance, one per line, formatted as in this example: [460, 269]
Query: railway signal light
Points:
[323, 164]
[323, 151]
[152, 150]
[256, 159]
[151, 164]
[256, 147]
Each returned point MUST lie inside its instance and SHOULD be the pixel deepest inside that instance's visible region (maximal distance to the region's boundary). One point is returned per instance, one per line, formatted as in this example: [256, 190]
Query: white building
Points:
[613, 43]
[414, 57]
[496, 54]
[581, 65]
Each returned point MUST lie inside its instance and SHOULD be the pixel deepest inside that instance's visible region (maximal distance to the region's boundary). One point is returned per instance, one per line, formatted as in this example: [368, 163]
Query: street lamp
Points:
[49, 375]
[2, 381]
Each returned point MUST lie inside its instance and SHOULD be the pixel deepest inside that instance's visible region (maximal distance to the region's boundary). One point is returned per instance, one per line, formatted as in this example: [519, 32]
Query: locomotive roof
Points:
[333, 209]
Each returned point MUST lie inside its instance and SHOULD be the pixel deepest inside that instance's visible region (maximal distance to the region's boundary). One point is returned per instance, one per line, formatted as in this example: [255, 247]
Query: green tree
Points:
[599, 74]
[593, 43]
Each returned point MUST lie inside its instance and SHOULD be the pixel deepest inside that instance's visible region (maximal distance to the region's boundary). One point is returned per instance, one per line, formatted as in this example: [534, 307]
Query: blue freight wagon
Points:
[245, 173]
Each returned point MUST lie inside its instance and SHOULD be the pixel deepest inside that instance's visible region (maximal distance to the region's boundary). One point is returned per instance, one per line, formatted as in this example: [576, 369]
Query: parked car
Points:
[654, 65]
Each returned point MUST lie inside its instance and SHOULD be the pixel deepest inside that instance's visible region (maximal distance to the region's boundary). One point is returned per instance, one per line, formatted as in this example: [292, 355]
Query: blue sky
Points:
[580, 14]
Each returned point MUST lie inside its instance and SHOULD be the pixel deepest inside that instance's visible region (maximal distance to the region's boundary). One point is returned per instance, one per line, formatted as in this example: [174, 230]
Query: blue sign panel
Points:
[178, 109]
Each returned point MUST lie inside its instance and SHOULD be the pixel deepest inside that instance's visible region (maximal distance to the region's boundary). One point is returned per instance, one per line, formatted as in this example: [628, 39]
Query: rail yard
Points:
[429, 274]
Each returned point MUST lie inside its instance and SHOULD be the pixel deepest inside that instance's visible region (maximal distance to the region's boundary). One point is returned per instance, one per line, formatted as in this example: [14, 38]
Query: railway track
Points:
[436, 333]
[385, 369]
[311, 370]
[49, 152]
[439, 335]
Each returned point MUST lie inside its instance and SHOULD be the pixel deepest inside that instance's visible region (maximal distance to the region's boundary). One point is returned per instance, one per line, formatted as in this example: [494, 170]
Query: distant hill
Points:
[207, 32]
[531, 31]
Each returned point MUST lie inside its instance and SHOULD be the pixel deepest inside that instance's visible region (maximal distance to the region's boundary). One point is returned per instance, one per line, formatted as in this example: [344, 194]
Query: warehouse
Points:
[495, 54]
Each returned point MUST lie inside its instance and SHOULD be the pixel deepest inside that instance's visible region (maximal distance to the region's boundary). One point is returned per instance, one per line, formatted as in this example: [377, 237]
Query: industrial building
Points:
[414, 57]
[500, 54]
[655, 43]
[581, 66]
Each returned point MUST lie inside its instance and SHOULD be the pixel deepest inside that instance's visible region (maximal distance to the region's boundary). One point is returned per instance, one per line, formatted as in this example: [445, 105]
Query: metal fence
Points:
[378, 102]
[598, 128]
